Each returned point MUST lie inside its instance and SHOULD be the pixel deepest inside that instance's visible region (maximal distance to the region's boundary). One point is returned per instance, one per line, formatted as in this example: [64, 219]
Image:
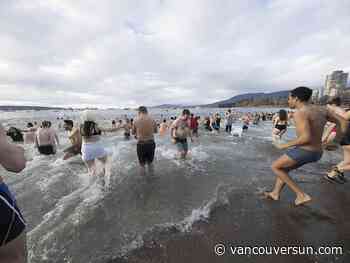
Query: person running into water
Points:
[12, 224]
[280, 124]
[74, 137]
[29, 134]
[46, 139]
[246, 122]
[144, 129]
[330, 131]
[337, 172]
[163, 128]
[310, 121]
[180, 130]
[229, 118]
[194, 125]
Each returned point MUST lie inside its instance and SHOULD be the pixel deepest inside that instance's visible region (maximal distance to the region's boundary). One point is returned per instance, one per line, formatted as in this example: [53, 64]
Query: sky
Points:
[113, 53]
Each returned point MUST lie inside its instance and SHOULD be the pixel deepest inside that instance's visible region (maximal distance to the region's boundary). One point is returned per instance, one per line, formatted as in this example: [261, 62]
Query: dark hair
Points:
[302, 93]
[143, 109]
[334, 101]
[282, 114]
[89, 128]
[69, 122]
[191, 114]
[164, 120]
[30, 125]
[113, 121]
[186, 112]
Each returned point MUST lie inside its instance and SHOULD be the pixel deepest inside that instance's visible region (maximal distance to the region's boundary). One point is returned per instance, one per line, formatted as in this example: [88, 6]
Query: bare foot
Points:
[271, 195]
[302, 199]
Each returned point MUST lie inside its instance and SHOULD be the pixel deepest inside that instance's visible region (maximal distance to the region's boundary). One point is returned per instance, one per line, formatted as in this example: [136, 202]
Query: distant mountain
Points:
[21, 108]
[278, 98]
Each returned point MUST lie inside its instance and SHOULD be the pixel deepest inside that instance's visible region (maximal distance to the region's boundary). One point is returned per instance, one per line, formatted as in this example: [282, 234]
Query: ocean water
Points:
[75, 218]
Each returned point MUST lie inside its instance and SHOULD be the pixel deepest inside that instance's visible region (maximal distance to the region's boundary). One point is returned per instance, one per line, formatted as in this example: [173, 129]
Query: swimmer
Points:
[310, 121]
[179, 132]
[280, 124]
[144, 129]
[74, 137]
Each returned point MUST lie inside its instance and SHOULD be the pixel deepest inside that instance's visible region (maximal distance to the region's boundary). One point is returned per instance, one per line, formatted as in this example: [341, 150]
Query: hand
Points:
[280, 146]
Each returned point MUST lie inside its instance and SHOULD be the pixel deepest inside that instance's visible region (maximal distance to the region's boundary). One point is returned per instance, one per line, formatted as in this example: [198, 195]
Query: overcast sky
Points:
[126, 53]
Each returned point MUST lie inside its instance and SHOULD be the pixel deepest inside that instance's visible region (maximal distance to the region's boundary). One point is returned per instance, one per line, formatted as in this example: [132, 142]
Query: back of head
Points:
[336, 101]
[143, 110]
[282, 114]
[69, 123]
[186, 112]
[303, 94]
[30, 125]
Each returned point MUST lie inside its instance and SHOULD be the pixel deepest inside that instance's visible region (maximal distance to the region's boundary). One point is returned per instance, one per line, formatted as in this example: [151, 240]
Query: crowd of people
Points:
[317, 128]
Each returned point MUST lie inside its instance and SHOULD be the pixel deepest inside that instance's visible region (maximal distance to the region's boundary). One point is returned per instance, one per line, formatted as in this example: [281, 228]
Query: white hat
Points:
[88, 115]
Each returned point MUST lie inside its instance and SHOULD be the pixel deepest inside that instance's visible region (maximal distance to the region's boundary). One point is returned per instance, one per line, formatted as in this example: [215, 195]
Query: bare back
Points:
[315, 118]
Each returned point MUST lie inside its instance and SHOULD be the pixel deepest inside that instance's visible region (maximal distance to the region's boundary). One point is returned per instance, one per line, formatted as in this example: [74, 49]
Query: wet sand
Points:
[249, 220]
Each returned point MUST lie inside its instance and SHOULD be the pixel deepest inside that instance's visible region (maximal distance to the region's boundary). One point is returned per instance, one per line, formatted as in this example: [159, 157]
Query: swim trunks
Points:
[182, 144]
[12, 223]
[145, 151]
[302, 156]
[46, 149]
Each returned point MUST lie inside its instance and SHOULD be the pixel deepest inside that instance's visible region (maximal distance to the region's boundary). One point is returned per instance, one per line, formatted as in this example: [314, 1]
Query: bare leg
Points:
[345, 165]
[91, 167]
[103, 160]
[15, 251]
[142, 170]
[279, 167]
[151, 168]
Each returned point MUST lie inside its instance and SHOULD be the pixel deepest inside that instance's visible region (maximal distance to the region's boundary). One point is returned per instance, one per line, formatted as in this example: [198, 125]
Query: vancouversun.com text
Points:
[222, 249]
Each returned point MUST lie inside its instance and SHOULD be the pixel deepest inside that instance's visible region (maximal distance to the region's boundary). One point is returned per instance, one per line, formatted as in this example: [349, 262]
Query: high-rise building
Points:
[336, 83]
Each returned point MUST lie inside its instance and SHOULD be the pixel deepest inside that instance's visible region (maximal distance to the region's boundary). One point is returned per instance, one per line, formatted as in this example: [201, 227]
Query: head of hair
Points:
[30, 125]
[143, 109]
[303, 94]
[69, 122]
[186, 112]
[334, 101]
[164, 120]
[191, 114]
[282, 114]
[88, 129]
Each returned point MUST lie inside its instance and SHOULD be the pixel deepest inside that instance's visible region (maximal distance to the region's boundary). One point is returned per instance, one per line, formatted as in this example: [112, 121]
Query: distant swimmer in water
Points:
[310, 121]
[92, 149]
[74, 137]
[163, 129]
[246, 122]
[144, 129]
[180, 130]
[29, 134]
[194, 125]
[46, 139]
[280, 123]
[12, 224]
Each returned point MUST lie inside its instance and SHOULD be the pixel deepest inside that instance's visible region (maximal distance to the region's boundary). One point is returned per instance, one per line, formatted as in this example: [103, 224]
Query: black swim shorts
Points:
[145, 151]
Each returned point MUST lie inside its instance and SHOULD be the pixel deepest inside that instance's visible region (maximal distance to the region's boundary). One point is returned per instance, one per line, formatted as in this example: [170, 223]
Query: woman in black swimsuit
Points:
[280, 124]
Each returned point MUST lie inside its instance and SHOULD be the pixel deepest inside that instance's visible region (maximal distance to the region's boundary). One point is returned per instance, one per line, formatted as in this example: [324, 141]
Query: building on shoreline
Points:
[336, 83]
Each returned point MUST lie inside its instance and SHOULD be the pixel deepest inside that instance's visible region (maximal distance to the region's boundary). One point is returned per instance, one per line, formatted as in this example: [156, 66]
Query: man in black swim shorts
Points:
[144, 128]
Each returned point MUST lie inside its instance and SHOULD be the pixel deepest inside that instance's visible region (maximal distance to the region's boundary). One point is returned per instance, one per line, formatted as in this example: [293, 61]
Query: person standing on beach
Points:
[75, 138]
[180, 130]
[12, 224]
[310, 121]
[144, 129]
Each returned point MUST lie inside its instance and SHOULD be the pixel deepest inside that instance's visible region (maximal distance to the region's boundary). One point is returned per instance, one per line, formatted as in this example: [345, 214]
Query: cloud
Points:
[126, 53]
